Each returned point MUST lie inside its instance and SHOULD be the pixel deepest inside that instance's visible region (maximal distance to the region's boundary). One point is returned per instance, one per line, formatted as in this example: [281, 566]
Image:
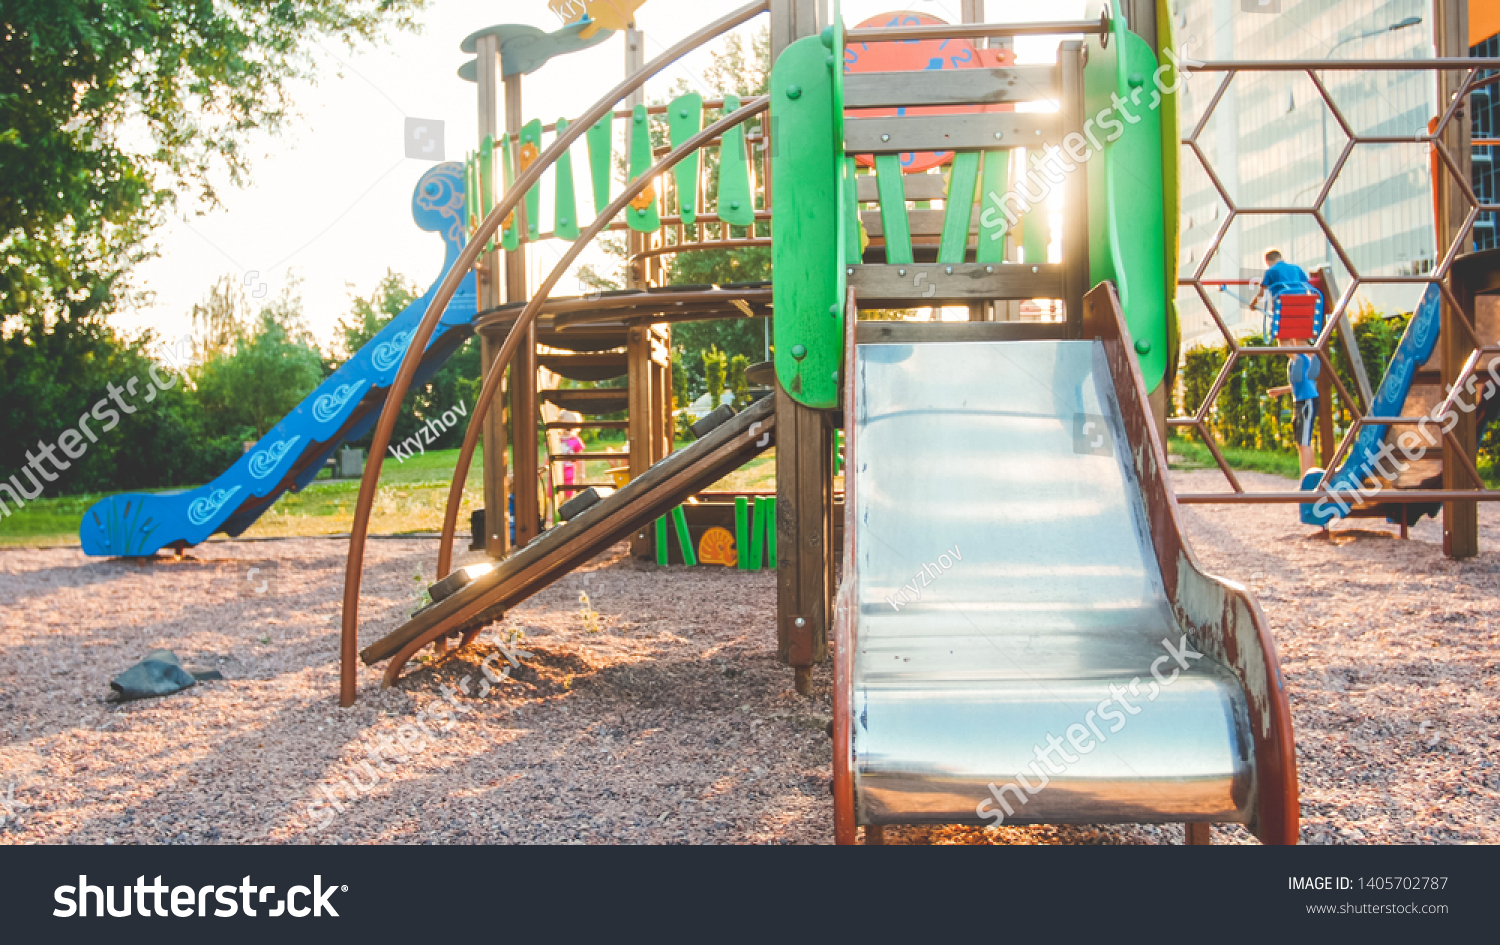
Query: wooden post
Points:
[1460, 519]
[1196, 835]
[804, 467]
[523, 369]
[639, 413]
[491, 291]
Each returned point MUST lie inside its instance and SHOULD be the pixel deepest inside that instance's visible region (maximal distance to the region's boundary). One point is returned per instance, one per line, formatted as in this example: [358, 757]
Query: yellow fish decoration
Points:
[602, 14]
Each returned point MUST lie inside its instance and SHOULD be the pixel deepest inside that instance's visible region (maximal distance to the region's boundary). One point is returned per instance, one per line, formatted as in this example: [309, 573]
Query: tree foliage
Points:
[112, 108]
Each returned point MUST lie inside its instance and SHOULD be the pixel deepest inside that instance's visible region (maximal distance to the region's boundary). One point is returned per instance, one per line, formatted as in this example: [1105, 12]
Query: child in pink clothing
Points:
[572, 472]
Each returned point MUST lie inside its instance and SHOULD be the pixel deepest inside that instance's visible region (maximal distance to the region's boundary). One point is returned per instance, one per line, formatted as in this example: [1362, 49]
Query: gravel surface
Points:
[654, 711]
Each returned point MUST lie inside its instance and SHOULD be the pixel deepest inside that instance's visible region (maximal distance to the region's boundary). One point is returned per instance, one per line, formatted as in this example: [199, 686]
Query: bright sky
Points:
[330, 200]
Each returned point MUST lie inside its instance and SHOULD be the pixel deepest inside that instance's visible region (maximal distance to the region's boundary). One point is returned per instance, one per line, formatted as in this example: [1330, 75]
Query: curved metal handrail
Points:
[533, 307]
[353, 570]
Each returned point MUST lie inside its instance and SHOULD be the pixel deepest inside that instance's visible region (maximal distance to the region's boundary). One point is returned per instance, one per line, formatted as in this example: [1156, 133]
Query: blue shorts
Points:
[1304, 418]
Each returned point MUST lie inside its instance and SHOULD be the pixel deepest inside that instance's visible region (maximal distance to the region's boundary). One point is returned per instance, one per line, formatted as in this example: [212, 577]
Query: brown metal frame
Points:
[359, 531]
[1440, 276]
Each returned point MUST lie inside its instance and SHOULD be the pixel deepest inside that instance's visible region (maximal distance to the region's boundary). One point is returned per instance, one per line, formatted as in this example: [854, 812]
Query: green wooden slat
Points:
[565, 207]
[992, 223]
[853, 252]
[684, 537]
[771, 531]
[1036, 229]
[644, 218]
[742, 533]
[758, 525]
[487, 188]
[892, 190]
[663, 553]
[471, 194]
[685, 119]
[531, 142]
[959, 207]
[601, 156]
[510, 239]
[735, 203]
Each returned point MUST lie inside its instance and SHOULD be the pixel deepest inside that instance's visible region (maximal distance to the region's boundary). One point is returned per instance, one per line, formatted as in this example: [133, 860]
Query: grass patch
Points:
[1197, 456]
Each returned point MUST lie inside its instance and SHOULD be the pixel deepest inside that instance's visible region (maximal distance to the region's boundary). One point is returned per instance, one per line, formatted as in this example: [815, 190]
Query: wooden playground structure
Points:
[859, 231]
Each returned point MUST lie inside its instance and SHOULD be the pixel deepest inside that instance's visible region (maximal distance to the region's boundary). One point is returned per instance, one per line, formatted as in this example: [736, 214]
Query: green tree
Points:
[112, 108]
[714, 376]
[454, 385]
[270, 369]
[738, 383]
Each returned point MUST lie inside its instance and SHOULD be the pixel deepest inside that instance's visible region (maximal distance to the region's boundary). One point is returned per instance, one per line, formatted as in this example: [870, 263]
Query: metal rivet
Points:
[885, 137]
[901, 272]
[1143, 347]
[833, 309]
[799, 351]
[1039, 132]
[683, 113]
[639, 119]
[734, 204]
[850, 270]
[999, 135]
[800, 622]
[950, 270]
[687, 208]
[989, 268]
[1136, 80]
[640, 211]
[794, 91]
[563, 221]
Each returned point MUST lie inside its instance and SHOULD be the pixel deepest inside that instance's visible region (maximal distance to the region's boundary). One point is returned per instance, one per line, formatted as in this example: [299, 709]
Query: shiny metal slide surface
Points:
[1013, 641]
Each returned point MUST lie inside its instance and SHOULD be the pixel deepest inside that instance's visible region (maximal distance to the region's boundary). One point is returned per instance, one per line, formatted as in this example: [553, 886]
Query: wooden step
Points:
[586, 366]
[589, 401]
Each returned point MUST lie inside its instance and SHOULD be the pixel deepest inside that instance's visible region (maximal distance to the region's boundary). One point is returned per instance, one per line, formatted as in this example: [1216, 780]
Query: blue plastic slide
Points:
[343, 407]
[1413, 351]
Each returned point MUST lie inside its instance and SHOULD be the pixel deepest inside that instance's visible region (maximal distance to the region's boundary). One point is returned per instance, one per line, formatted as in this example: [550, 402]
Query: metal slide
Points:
[1020, 655]
[342, 408]
[561, 549]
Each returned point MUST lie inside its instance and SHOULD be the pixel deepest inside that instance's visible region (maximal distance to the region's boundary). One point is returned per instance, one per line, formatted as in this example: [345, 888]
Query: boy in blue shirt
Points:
[1302, 376]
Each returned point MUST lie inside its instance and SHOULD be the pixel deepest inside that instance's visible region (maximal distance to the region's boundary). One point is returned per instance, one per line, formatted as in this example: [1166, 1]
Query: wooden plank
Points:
[904, 285]
[995, 180]
[894, 223]
[950, 87]
[958, 211]
[804, 491]
[924, 223]
[565, 206]
[601, 157]
[1075, 227]
[951, 132]
[918, 187]
[685, 119]
[735, 205]
[905, 333]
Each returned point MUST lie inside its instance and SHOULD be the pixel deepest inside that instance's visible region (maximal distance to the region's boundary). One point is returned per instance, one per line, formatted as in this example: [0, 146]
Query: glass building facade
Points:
[1273, 143]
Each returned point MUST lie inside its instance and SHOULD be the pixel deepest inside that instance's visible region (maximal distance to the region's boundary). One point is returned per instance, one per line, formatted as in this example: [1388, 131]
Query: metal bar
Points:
[892, 34]
[1386, 495]
[1331, 65]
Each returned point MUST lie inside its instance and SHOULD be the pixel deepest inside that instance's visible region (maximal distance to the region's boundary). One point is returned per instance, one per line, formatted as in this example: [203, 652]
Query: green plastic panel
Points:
[958, 209]
[663, 553]
[642, 215]
[531, 144]
[1126, 230]
[1036, 225]
[601, 156]
[807, 169]
[684, 537]
[992, 222]
[510, 237]
[759, 523]
[471, 194]
[685, 119]
[890, 184]
[565, 206]
[736, 206]
[742, 533]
